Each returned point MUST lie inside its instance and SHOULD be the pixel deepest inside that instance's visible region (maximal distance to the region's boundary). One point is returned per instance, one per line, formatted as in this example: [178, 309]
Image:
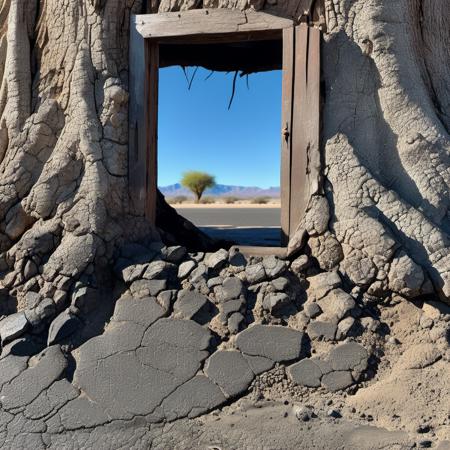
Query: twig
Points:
[233, 89]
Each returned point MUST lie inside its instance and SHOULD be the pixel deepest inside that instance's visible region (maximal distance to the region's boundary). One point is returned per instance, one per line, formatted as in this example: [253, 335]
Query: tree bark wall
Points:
[383, 220]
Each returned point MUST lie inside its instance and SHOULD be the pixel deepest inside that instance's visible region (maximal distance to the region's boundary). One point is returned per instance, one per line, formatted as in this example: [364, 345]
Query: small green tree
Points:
[197, 182]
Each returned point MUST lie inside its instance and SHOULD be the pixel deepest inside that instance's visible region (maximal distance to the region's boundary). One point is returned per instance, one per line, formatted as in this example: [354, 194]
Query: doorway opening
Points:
[219, 113]
[222, 40]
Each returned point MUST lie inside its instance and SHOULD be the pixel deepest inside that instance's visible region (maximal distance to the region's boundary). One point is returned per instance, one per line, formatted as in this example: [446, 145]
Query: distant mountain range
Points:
[222, 190]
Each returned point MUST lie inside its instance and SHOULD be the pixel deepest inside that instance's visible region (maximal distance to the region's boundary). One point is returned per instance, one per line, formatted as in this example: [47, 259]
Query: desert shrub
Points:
[230, 199]
[260, 200]
[176, 200]
[207, 200]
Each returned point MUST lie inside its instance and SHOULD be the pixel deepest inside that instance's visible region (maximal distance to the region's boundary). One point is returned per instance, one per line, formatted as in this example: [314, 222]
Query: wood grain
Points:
[207, 22]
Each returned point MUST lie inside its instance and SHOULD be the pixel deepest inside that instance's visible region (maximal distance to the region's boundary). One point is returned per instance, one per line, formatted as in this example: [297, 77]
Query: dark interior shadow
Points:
[258, 236]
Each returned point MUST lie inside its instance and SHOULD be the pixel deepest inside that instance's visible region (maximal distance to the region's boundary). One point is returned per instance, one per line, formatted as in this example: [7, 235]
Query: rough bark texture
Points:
[386, 164]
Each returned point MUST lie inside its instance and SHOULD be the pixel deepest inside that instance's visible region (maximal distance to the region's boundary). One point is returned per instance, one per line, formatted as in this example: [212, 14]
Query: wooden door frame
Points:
[300, 103]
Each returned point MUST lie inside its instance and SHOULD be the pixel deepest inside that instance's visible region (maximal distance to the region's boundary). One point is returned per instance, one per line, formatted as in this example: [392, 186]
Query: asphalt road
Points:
[236, 217]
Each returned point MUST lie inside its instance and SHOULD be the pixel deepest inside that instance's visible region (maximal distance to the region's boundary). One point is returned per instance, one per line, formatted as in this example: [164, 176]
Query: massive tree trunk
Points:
[64, 206]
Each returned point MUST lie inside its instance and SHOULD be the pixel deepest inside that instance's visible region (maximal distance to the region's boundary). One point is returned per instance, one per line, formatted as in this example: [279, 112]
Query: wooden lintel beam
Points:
[207, 22]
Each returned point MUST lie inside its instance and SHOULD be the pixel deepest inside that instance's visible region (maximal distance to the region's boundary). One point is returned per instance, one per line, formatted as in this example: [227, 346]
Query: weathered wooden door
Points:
[300, 124]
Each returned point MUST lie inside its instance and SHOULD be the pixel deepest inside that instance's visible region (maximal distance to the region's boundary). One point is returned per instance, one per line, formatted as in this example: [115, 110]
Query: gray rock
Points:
[344, 327]
[144, 311]
[13, 326]
[191, 305]
[305, 373]
[217, 260]
[273, 266]
[10, 367]
[166, 298]
[199, 273]
[213, 282]
[334, 413]
[300, 264]
[280, 284]
[235, 322]
[349, 356]
[255, 273]
[186, 268]
[45, 310]
[259, 364]
[322, 284]
[231, 289]
[337, 304]
[196, 397]
[133, 272]
[48, 367]
[312, 310]
[303, 413]
[232, 306]
[158, 270]
[337, 380]
[322, 330]
[85, 298]
[274, 342]
[230, 371]
[274, 302]
[148, 288]
[198, 257]
[32, 299]
[174, 254]
[62, 327]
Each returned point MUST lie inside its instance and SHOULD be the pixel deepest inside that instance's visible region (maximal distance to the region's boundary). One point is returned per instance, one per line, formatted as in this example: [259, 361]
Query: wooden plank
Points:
[151, 116]
[204, 22]
[305, 169]
[299, 129]
[286, 129]
[137, 124]
[248, 250]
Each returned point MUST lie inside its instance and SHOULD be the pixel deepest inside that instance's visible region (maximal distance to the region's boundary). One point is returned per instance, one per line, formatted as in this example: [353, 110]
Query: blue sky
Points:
[197, 132]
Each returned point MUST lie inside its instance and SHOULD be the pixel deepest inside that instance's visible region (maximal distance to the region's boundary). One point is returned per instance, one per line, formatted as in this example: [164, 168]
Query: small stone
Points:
[213, 282]
[322, 284]
[147, 288]
[255, 273]
[280, 284]
[191, 305]
[425, 443]
[232, 288]
[274, 302]
[426, 322]
[392, 340]
[186, 268]
[322, 330]
[199, 273]
[85, 298]
[349, 356]
[157, 270]
[337, 380]
[13, 326]
[32, 299]
[303, 413]
[232, 306]
[312, 310]
[166, 298]
[423, 429]
[370, 324]
[235, 322]
[217, 260]
[334, 413]
[274, 342]
[273, 266]
[305, 373]
[337, 304]
[132, 272]
[62, 327]
[174, 254]
[300, 264]
[345, 326]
